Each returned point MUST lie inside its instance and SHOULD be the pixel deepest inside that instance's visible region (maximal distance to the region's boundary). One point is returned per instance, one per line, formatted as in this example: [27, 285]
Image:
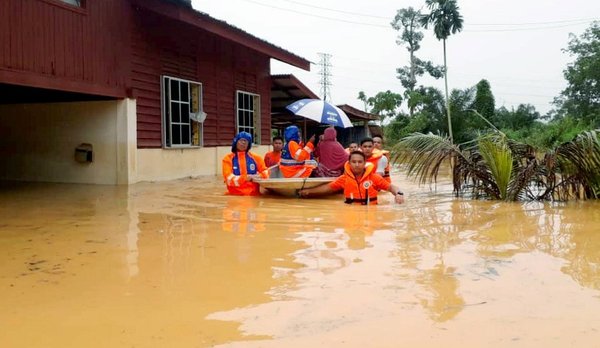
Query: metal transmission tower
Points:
[325, 74]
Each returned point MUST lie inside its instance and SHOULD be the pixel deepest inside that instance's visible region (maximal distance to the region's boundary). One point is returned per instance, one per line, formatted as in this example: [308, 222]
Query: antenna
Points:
[325, 75]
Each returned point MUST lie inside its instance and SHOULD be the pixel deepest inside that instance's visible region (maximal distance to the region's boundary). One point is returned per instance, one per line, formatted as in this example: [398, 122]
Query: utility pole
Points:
[325, 75]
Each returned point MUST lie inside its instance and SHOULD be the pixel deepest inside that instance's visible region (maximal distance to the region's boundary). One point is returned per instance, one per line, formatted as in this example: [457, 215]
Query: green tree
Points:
[407, 22]
[363, 97]
[524, 117]
[384, 104]
[581, 98]
[484, 102]
[446, 20]
[467, 124]
[547, 136]
[430, 111]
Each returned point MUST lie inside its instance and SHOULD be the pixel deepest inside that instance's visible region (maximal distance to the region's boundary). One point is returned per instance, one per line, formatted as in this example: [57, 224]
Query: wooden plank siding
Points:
[49, 44]
[119, 49]
[162, 46]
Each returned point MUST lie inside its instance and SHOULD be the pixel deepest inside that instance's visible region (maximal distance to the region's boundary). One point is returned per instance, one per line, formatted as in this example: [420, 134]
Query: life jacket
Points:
[296, 160]
[360, 191]
[236, 166]
[375, 157]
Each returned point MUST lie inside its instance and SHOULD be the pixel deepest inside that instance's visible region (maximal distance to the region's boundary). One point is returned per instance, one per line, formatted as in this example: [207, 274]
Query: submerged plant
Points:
[496, 167]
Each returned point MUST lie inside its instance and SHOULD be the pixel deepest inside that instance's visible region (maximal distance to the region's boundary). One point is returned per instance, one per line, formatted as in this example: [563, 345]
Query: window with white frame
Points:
[182, 112]
[248, 114]
[78, 3]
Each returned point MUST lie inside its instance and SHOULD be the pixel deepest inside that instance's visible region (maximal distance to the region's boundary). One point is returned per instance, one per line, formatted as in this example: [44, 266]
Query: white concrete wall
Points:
[161, 164]
[38, 141]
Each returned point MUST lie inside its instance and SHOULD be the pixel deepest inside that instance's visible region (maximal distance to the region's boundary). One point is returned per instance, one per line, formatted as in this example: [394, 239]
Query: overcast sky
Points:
[514, 44]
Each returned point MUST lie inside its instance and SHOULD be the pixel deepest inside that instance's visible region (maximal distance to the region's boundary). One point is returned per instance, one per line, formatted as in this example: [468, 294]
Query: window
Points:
[248, 114]
[78, 3]
[77, 6]
[182, 112]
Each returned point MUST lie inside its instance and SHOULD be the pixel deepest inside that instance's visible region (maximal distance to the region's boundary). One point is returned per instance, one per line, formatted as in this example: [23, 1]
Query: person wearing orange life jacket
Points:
[241, 167]
[295, 160]
[378, 146]
[376, 157]
[352, 147]
[359, 182]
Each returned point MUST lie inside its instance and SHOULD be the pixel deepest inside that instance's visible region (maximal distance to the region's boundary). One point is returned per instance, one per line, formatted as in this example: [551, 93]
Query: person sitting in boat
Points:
[359, 182]
[272, 157]
[295, 160]
[353, 146]
[241, 167]
[377, 158]
[331, 155]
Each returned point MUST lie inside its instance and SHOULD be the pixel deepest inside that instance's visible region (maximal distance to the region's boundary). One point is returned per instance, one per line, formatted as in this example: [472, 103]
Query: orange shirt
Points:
[272, 158]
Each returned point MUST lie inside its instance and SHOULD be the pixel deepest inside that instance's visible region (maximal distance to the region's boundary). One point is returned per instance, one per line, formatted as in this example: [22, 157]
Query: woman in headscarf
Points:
[241, 167]
[331, 155]
[295, 159]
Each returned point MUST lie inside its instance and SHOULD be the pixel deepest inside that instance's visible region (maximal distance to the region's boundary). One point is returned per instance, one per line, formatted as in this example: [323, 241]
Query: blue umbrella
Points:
[320, 111]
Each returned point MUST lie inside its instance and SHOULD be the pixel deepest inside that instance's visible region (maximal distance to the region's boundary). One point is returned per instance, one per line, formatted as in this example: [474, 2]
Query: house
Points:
[122, 91]
[286, 89]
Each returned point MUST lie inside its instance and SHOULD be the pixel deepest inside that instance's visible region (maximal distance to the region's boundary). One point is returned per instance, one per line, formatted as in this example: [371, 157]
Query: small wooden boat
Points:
[290, 186]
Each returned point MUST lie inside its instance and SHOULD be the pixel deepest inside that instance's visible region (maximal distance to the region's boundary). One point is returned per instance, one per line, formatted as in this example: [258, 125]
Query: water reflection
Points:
[192, 267]
[242, 217]
[441, 298]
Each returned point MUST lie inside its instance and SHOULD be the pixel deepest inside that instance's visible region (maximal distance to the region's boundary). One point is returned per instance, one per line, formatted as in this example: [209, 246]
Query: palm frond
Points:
[579, 162]
[498, 157]
[424, 154]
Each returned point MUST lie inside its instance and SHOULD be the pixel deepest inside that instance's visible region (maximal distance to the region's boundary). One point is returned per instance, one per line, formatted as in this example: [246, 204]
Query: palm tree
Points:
[446, 20]
[496, 167]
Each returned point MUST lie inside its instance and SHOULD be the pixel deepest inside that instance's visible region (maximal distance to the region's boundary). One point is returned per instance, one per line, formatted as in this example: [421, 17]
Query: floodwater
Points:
[179, 264]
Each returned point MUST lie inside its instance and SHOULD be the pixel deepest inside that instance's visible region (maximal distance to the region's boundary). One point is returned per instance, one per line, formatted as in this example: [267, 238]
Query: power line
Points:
[317, 16]
[527, 29]
[573, 22]
[339, 11]
[535, 23]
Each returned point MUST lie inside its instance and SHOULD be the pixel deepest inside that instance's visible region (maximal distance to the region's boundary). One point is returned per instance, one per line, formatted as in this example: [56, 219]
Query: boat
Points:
[290, 186]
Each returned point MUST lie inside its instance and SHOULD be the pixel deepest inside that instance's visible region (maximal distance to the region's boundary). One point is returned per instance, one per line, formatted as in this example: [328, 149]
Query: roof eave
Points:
[203, 21]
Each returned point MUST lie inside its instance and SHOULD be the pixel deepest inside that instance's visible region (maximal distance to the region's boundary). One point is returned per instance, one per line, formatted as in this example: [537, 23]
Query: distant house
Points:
[286, 89]
[122, 91]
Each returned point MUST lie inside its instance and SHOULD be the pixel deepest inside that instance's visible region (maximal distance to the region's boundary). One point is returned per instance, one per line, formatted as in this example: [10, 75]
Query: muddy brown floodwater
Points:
[178, 264]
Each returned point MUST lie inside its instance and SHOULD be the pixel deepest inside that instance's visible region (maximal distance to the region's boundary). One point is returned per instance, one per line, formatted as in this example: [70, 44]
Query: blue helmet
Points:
[241, 135]
[292, 133]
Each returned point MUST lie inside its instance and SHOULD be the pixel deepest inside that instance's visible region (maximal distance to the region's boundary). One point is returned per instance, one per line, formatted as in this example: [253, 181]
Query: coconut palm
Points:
[578, 162]
[446, 20]
[496, 167]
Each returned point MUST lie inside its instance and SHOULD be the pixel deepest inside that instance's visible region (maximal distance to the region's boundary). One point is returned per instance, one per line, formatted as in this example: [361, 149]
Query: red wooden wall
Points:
[49, 44]
[112, 48]
[161, 46]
